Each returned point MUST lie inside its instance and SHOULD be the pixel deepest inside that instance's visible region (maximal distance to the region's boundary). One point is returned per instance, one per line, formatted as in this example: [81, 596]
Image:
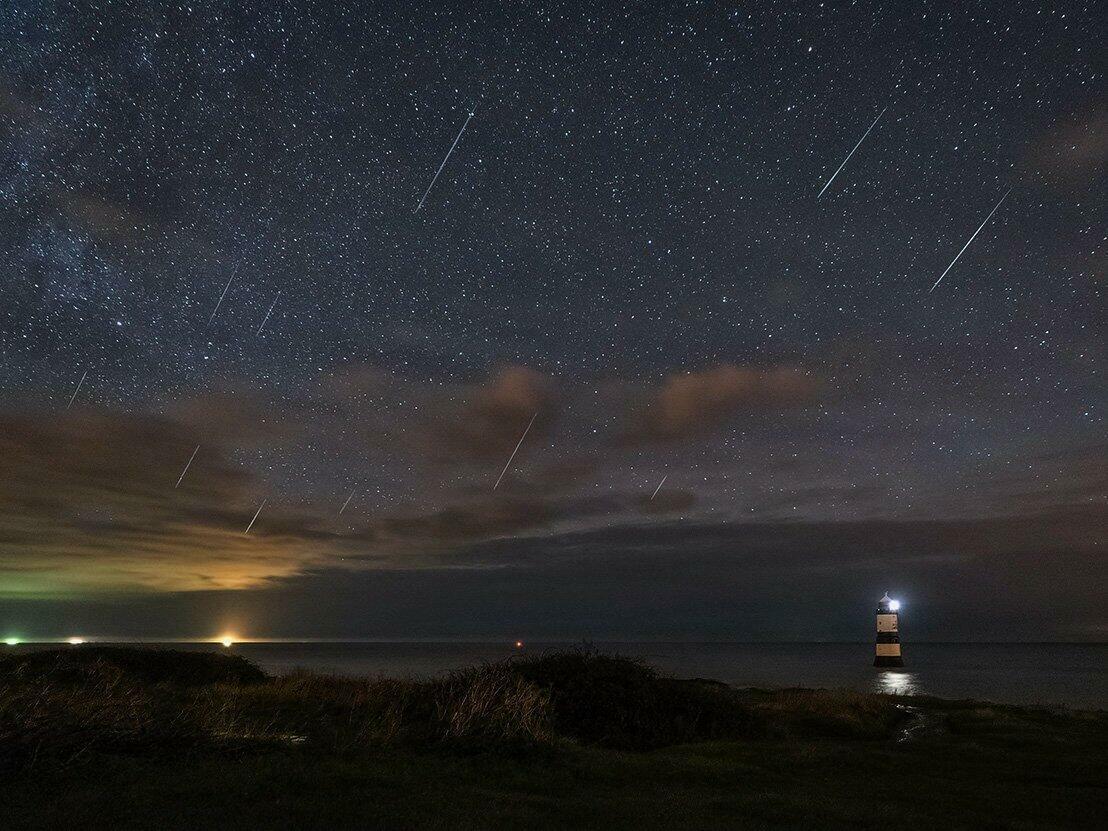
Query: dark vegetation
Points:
[184, 735]
[59, 705]
[149, 666]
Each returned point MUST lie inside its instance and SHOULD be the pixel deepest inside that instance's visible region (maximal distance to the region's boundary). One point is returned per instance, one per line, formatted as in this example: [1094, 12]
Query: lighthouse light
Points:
[894, 605]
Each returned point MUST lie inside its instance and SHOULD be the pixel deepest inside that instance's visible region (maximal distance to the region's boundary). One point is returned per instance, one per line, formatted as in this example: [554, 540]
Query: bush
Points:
[100, 709]
[175, 667]
[65, 705]
[622, 703]
[491, 705]
[482, 708]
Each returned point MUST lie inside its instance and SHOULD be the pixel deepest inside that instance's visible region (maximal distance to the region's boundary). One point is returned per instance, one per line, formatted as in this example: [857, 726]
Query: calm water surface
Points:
[1075, 675]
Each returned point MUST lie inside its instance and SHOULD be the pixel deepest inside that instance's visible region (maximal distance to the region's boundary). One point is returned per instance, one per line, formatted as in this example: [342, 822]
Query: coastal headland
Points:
[113, 737]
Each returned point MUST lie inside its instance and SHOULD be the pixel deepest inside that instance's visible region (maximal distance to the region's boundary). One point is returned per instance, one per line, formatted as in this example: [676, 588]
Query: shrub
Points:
[490, 705]
[481, 708]
[175, 667]
[100, 709]
[622, 703]
[65, 705]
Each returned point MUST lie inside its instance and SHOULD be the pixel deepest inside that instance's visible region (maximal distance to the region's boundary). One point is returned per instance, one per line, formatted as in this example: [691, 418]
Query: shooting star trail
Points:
[659, 487]
[851, 153]
[79, 383]
[186, 470]
[251, 525]
[441, 166]
[971, 239]
[267, 314]
[518, 445]
[347, 502]
[220, 303]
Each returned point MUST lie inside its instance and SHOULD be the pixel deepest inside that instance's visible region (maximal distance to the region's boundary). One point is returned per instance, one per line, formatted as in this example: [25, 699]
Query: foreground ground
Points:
[117, 739]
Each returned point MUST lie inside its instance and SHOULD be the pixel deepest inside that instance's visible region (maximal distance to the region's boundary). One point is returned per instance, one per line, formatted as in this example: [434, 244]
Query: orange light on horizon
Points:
[519, 644]
[227, 640]
[75, 641]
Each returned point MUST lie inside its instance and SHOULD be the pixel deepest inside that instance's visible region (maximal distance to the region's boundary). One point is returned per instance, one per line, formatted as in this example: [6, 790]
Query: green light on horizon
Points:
[11, 641]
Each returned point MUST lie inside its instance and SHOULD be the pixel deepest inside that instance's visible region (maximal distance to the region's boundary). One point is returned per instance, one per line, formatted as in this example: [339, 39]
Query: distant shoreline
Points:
[507, 641]
[1056, 674]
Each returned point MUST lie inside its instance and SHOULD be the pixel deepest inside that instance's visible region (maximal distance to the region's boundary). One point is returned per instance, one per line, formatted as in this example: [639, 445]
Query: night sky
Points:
[627, 249]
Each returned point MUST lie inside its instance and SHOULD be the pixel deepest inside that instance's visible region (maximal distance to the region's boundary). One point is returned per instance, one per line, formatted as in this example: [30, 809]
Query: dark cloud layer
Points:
[89, 503]
[692, 403]
[90, 500]
[989, 579]
[486, 424]
[1074, 154]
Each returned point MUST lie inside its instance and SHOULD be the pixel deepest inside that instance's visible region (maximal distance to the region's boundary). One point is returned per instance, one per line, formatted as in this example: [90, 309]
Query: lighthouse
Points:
[888, 633]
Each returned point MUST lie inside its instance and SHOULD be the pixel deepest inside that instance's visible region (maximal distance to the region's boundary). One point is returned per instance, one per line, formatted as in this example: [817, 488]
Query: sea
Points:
[1052, 674]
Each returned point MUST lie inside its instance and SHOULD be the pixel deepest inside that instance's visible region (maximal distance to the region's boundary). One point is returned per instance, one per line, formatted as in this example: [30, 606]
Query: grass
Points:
[95, 737]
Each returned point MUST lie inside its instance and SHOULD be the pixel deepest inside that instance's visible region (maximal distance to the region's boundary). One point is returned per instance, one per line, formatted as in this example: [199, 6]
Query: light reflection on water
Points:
[895, 682]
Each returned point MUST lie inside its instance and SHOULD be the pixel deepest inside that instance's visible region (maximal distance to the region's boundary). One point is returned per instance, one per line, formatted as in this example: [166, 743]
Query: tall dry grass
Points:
[67, 705]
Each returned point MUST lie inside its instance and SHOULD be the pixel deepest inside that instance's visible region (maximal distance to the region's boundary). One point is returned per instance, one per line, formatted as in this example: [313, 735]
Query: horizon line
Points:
[89, 640]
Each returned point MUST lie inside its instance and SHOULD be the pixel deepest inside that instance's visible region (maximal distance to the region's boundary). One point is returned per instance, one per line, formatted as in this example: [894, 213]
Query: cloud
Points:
[1070, 480]
[694, 403]
[459, 422]
[1074, 153]
[1019, 549]
[490, 418]
[240, 416]
[671, 580]
[666, 502]
[491, 518]
[87, 502]
[1005, 578]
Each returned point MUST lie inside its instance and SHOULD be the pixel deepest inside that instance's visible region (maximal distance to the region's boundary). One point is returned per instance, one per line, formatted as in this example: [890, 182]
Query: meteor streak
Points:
[971, 239]
[347, 502]
[186, 470]
[251, 525]
[659, 487]
[851, 153]
[441, 166]
[267, 314]
[518, 444]
[79, 383]
[220, 303]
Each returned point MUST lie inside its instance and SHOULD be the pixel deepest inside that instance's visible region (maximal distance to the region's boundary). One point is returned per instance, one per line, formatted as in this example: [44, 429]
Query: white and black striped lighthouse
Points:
[888, 633]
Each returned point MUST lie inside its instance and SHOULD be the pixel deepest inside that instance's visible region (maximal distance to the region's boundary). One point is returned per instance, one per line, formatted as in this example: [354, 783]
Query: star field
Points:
[628, 239]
